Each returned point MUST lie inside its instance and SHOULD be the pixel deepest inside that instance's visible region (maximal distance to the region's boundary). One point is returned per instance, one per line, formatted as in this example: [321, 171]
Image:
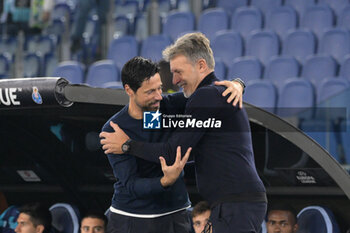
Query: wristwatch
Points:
[126, 146]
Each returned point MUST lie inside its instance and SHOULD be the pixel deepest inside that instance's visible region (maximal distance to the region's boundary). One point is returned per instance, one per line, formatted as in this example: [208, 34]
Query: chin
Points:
[187, 94]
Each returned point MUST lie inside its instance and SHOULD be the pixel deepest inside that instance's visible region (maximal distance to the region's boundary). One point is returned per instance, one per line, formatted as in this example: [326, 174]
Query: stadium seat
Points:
[141, 30]
[121, 26]
[335, 42]
[230, 6]
[50, 63]
[227, 45]
[71, 70]
[127, 8]
[65, 218]
[294, 97]
[330, 93]
[281, 68]
[344, 18]
[318, 18]
[30, 43]
[211, 21]
[153, 46]
[122, 49]
[345, 68]
[266, 5]
[102, 72]
[113, 85]
[246, 19]
[177, 23]
[336, 5]
[299, 43]
[183, 5]
[327, 128]
[46, 45]
[90, 30]
[300, 5]
[318, 67]
[263, 45]
[317, 219]
[56, 28]
[330, 87]
[220, 69]
[9, 45]
[164, 7]
[261, 93]
[31, 65]
[246, 68]
[281, 19]
[62, 12]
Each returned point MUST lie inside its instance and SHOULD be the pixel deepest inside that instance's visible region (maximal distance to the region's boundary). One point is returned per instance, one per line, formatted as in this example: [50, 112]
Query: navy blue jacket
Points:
[138, 189]
[224, 158]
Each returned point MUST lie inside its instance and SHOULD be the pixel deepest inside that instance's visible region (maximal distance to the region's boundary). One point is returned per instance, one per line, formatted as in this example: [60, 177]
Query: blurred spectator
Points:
[93, 223]
[281, 219]
[83, 9]
[200, 216]
[34, 218]
[28, 15]
[40, 13]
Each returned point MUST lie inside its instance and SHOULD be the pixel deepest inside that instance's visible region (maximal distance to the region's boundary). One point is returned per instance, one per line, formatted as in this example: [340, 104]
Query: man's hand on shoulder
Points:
[234, 90]
[171, 173]
[112, 142]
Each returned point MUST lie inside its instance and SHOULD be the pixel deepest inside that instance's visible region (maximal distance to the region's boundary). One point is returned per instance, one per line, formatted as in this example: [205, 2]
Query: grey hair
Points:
[194, 46]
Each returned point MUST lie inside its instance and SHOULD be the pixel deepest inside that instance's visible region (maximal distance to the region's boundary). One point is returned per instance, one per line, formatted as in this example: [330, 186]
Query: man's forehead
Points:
[24, 216]
[279, 215]
[155, 79]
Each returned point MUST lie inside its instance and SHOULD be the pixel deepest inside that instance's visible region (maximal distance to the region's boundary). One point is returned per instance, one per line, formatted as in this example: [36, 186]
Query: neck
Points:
[134, 111]
[202, 76]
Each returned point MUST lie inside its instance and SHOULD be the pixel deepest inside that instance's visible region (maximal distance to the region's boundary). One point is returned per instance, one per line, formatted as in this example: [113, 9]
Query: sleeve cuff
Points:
[240, 81]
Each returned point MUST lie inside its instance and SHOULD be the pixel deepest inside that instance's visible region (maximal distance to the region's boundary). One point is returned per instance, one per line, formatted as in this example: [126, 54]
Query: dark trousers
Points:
[172, 223]
[238, 217]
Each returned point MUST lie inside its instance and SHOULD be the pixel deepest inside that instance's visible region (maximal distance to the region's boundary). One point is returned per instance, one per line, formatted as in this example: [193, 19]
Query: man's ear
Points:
[295, 227]
[128, 90]
[202, 65]
[39, 228]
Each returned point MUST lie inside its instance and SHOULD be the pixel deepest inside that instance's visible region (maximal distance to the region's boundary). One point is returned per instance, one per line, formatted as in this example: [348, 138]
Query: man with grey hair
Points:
[223, 153]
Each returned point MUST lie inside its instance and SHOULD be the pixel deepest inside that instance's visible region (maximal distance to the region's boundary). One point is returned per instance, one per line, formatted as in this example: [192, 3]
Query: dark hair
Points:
[98, 215]
[39, 215]
[200, 208]
[137, 70]
[283, 207]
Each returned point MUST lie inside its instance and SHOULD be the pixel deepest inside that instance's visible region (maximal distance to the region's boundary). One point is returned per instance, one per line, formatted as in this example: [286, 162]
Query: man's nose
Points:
[176, 79]
[159, 95]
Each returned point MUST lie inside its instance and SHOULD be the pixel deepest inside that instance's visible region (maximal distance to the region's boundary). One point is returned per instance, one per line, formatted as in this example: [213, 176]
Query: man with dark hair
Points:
[224, 160]
[200, 216]
[281, 218]
[93, 222]
[149, 197]
[34, 218]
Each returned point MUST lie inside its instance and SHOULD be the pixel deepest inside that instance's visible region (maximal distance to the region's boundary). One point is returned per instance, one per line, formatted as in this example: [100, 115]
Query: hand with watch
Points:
[117, 142]
[126, 146]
